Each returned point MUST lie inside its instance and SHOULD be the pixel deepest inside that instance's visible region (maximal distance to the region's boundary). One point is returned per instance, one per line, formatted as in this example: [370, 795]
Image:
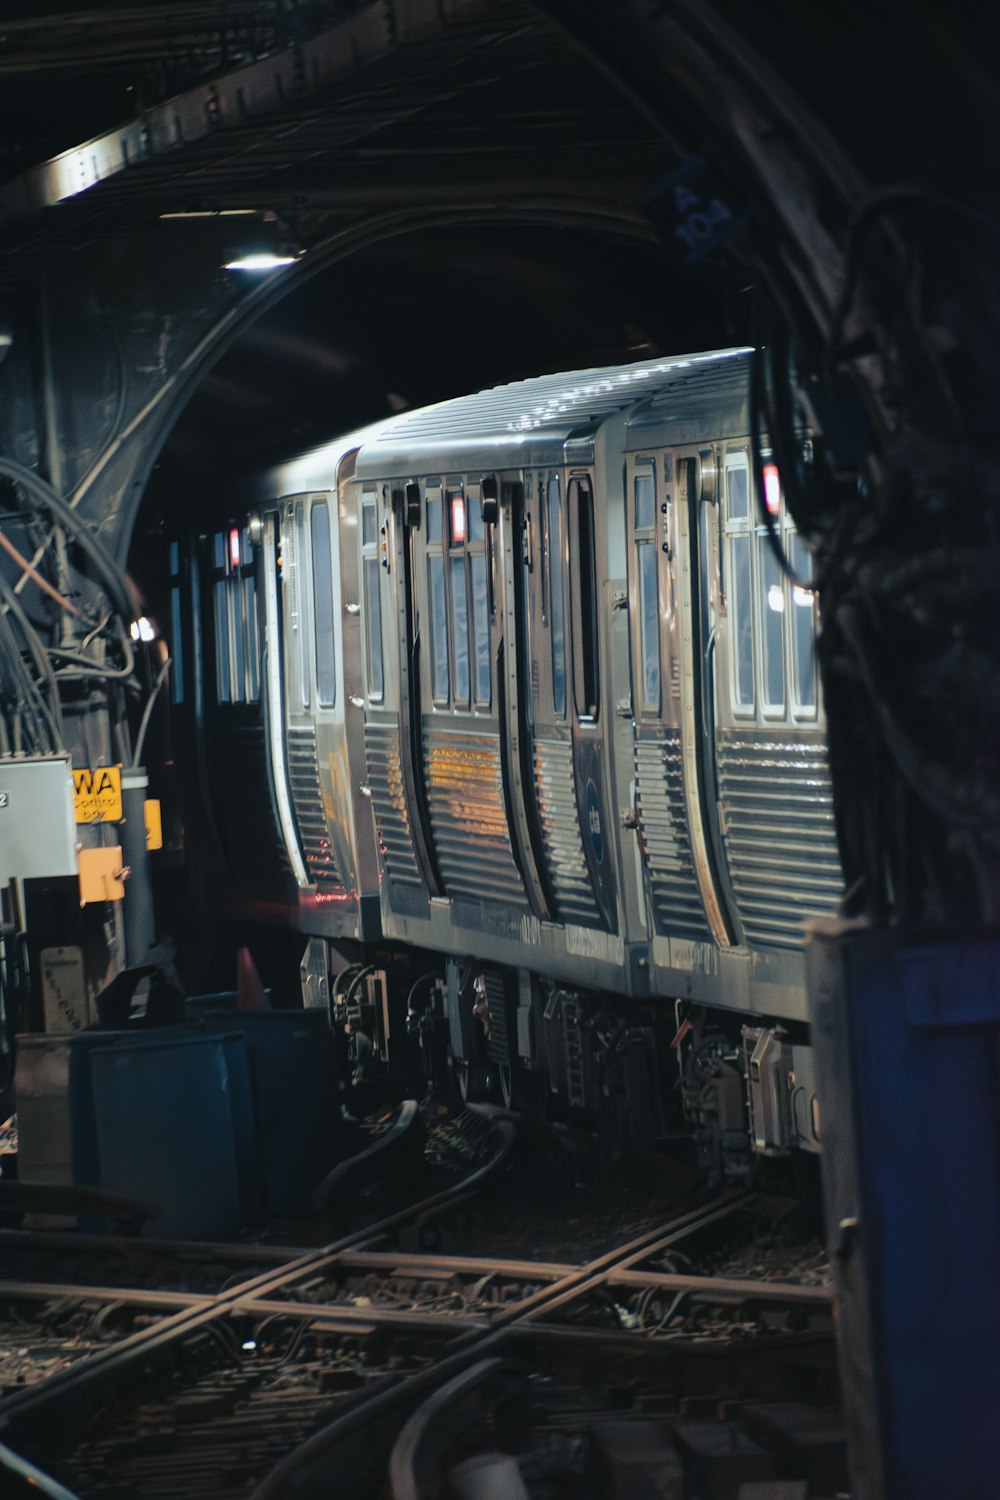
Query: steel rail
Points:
[726, 1288]
[517, 1324]
[331, 1315]
[105, 1364]
[43, 1291]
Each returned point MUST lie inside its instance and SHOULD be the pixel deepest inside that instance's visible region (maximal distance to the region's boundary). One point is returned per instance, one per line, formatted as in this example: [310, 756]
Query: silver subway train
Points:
[538, 711]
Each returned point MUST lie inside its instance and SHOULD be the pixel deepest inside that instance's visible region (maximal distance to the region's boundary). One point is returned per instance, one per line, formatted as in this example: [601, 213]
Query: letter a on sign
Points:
[98, 794]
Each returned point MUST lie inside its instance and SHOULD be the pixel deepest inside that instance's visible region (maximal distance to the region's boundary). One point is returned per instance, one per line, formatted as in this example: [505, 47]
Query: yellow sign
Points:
[98, 795]
[154, 823]
[101, 875]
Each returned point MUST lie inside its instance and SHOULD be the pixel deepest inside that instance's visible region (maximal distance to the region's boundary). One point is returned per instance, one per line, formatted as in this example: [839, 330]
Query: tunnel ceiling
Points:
[281, 126]
[285, 124]
[356, 116]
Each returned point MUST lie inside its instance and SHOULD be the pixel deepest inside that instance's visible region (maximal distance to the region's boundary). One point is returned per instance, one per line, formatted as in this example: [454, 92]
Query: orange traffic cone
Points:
[249, 990]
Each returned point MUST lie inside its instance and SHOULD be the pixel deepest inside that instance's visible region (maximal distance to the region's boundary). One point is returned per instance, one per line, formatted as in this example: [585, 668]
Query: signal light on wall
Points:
[234, 546]
[458, 518]
[772, 489]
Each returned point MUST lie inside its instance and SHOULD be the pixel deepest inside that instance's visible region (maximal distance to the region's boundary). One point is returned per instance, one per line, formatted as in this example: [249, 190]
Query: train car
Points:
[545, 747]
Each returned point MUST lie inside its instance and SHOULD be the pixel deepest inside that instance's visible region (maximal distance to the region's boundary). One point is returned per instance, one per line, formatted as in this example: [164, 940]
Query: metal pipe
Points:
[140, 922]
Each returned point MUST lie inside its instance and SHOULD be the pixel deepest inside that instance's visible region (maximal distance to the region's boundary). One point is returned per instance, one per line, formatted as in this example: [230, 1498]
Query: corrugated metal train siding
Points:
[555, 791]
[307, 799]
[392, 818]
[468, 817]
[662, 822]
[777, 808]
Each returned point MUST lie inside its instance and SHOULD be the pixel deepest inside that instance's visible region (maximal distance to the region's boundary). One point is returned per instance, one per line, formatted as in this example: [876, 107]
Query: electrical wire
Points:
[110, 574]
[36, 577]
[51, 714]
[144, 722]
[34, 643]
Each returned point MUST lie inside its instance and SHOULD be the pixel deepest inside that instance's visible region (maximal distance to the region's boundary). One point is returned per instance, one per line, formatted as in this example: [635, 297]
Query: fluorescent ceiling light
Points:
[259, 262]
[211, 213]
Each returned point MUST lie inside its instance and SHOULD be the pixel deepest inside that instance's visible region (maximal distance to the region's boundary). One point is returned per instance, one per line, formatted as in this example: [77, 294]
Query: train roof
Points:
[316, 469]
[537, 416]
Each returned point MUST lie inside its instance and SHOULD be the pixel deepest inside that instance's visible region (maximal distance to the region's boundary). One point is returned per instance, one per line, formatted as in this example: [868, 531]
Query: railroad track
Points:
[267, 1371]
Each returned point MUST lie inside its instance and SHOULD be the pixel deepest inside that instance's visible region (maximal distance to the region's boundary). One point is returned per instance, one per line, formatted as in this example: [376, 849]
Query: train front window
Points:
[772, 610]
[322, 580]
[645, 500]
[557, 600]
[738, 486]
[234, 610]
[740, 577]
[300, 554]
[583, 573]
[481, 628]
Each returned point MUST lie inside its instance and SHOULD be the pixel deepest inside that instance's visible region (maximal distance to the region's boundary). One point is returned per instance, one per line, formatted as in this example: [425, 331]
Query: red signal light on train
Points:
[234, 546]
[458, 518]
[772, 489]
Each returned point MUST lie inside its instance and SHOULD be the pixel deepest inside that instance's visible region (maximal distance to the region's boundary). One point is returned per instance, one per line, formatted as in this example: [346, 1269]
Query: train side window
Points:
[647, 579]
[459, 629]
[583, 573]
[322, 581]
[220, 596]
[480, 596]
[373, 599]
[176, 625]
[474, 514]
[248, 594]
[300, 557]
[803, 627]
[433, 519]
[439, 627]
[557, 597]
[481, 629]
[460, 576]
[738, 545]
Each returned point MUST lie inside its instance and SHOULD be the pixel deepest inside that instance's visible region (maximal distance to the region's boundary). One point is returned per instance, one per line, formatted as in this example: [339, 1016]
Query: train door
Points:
[392, 648]
[311, 702]
[459, 592]
[231, 712]
[671, 616]
[774, 791]
[273, 688]
[558, 608]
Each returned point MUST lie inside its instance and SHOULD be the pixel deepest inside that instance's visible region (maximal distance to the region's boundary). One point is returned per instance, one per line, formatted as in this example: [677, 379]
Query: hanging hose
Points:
[108, 570]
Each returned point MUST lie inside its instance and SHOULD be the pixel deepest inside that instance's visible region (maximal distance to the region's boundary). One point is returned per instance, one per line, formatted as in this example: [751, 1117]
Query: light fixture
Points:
[261, 260]
[142, 630]
[210, 213]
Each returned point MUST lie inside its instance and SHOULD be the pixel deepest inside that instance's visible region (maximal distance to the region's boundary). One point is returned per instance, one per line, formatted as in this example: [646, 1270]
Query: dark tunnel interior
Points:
[423, 318]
